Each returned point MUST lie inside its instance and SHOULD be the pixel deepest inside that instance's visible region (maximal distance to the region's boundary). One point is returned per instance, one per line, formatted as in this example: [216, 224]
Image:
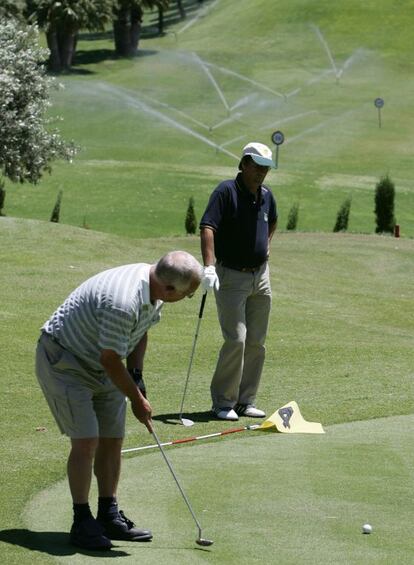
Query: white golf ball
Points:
[367, 529]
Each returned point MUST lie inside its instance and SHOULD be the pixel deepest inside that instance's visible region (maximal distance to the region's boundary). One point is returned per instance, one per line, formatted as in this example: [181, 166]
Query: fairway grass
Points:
[170, 124]
[154, 131]
[263, 498]
[339, 343]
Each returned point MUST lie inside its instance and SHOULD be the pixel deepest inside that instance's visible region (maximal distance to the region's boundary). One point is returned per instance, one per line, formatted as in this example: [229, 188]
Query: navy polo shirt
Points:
[241, 225]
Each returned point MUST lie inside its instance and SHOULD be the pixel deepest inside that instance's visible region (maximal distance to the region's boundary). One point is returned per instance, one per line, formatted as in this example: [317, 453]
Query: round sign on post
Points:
[278, 138]
[379, 103]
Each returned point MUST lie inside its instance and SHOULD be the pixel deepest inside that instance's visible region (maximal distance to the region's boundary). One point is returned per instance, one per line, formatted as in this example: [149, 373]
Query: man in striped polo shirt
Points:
[80, 367]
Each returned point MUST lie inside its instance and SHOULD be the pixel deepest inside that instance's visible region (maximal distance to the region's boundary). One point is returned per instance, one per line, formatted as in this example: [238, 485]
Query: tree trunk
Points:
[135, 33]
[67, 40]
[160, 20]
[181, 9]
[55, 64]
[121, 32]
[121, 38]
[127, 31]
[2, 197]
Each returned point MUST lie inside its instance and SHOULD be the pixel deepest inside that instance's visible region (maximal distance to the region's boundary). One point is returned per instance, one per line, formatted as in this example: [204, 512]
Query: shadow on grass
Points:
[205, 416]
[92, 56]
[172, 16]
[95, 56]
[72, 71]
[96, 35]
[52, 543]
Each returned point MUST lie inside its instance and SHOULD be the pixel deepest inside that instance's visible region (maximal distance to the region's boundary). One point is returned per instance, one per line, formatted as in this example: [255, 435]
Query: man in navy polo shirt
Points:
[236, 230]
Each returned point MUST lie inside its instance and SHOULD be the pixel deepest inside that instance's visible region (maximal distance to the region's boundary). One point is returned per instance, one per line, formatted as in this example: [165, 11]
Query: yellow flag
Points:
[289, 420]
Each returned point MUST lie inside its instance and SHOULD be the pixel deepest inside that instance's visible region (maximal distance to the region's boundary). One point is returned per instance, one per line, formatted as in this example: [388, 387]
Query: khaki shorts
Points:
[84, 404]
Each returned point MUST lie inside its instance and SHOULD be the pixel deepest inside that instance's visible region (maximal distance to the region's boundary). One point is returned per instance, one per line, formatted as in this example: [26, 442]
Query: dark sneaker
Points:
[89, 534]
[121, 528]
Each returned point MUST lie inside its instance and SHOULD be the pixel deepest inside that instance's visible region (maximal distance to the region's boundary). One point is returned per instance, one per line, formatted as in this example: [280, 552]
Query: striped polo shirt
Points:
[111, 310]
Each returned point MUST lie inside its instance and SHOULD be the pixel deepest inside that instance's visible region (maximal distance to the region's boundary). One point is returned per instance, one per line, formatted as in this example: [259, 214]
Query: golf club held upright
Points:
[186, 421]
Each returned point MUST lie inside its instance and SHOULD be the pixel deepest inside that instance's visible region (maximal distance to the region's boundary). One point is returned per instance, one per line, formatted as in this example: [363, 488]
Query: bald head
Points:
[179, 270]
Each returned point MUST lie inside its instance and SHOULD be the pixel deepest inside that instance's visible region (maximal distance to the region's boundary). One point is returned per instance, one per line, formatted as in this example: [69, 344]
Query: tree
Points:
[342, 217]
[11, 8]
[55, 216]
[160, 20]
[384, 205]
[190, 218]
[2, 197]
[181, 9]
[293, 217]
[27, 147]
[127, 23]
[62, 20]
[127, 26]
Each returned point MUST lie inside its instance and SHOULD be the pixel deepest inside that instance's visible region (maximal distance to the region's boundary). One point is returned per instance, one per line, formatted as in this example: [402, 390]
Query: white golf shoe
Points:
[225, 414]
[249, 410]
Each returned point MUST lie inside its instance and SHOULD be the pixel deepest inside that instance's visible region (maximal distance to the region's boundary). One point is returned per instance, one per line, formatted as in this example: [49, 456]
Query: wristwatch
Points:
[136, 375]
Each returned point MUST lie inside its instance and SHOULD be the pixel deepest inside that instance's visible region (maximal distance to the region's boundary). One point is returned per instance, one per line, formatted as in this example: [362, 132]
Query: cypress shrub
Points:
[56, 209]
[342, 218]
[384, 205]
[2, 197]
[293, 217]
[190, 219]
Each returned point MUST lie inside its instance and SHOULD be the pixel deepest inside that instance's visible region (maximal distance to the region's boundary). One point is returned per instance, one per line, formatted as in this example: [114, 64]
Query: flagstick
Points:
[193, 438]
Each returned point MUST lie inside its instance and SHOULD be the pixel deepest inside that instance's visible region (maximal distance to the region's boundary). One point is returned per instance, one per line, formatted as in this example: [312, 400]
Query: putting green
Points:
[262, 497]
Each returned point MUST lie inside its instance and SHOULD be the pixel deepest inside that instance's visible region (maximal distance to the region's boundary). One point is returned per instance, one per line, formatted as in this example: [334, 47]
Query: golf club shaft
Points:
[200, 315]
[177, 481]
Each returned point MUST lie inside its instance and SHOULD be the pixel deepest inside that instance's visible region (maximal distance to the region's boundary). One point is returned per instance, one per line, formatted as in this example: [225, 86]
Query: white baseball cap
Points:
[260, 153]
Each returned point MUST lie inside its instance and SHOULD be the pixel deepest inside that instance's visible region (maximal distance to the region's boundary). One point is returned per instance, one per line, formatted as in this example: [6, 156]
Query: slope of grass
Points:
[170, 123]
[339, 343]
[340, 339]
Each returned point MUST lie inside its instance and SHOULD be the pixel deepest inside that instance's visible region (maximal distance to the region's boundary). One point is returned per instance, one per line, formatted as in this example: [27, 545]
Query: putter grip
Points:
[203, 301]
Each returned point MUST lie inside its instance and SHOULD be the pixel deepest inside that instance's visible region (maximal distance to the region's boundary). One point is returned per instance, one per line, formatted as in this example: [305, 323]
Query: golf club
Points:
[186, 421]
[200, 540]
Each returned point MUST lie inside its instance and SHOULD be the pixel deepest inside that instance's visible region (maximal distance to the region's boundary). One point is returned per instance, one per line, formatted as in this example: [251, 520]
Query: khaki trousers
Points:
[243, 307]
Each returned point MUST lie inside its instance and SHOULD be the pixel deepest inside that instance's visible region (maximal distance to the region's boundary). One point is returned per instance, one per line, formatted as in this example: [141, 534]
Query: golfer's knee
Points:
[110, 444]
[235, 340]
[84, 448]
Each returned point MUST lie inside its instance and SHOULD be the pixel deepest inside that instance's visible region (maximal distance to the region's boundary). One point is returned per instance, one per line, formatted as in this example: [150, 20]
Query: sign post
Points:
[278, 138]
[379, 103]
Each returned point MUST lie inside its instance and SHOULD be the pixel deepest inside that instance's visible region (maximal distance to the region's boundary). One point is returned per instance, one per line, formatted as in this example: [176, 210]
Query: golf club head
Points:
[187, 422]
[204, 542]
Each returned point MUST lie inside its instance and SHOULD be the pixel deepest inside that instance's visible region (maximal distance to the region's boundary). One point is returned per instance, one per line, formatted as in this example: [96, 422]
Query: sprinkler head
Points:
[204, 542]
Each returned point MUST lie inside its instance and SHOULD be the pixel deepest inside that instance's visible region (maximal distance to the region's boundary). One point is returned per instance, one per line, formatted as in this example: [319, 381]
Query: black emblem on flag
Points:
[286, 414]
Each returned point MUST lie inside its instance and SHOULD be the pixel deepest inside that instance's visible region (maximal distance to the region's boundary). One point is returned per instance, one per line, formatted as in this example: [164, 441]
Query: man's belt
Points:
[241, 269]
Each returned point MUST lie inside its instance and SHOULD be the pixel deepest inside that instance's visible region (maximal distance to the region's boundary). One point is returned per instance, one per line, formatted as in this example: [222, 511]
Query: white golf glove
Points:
[210, 279]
